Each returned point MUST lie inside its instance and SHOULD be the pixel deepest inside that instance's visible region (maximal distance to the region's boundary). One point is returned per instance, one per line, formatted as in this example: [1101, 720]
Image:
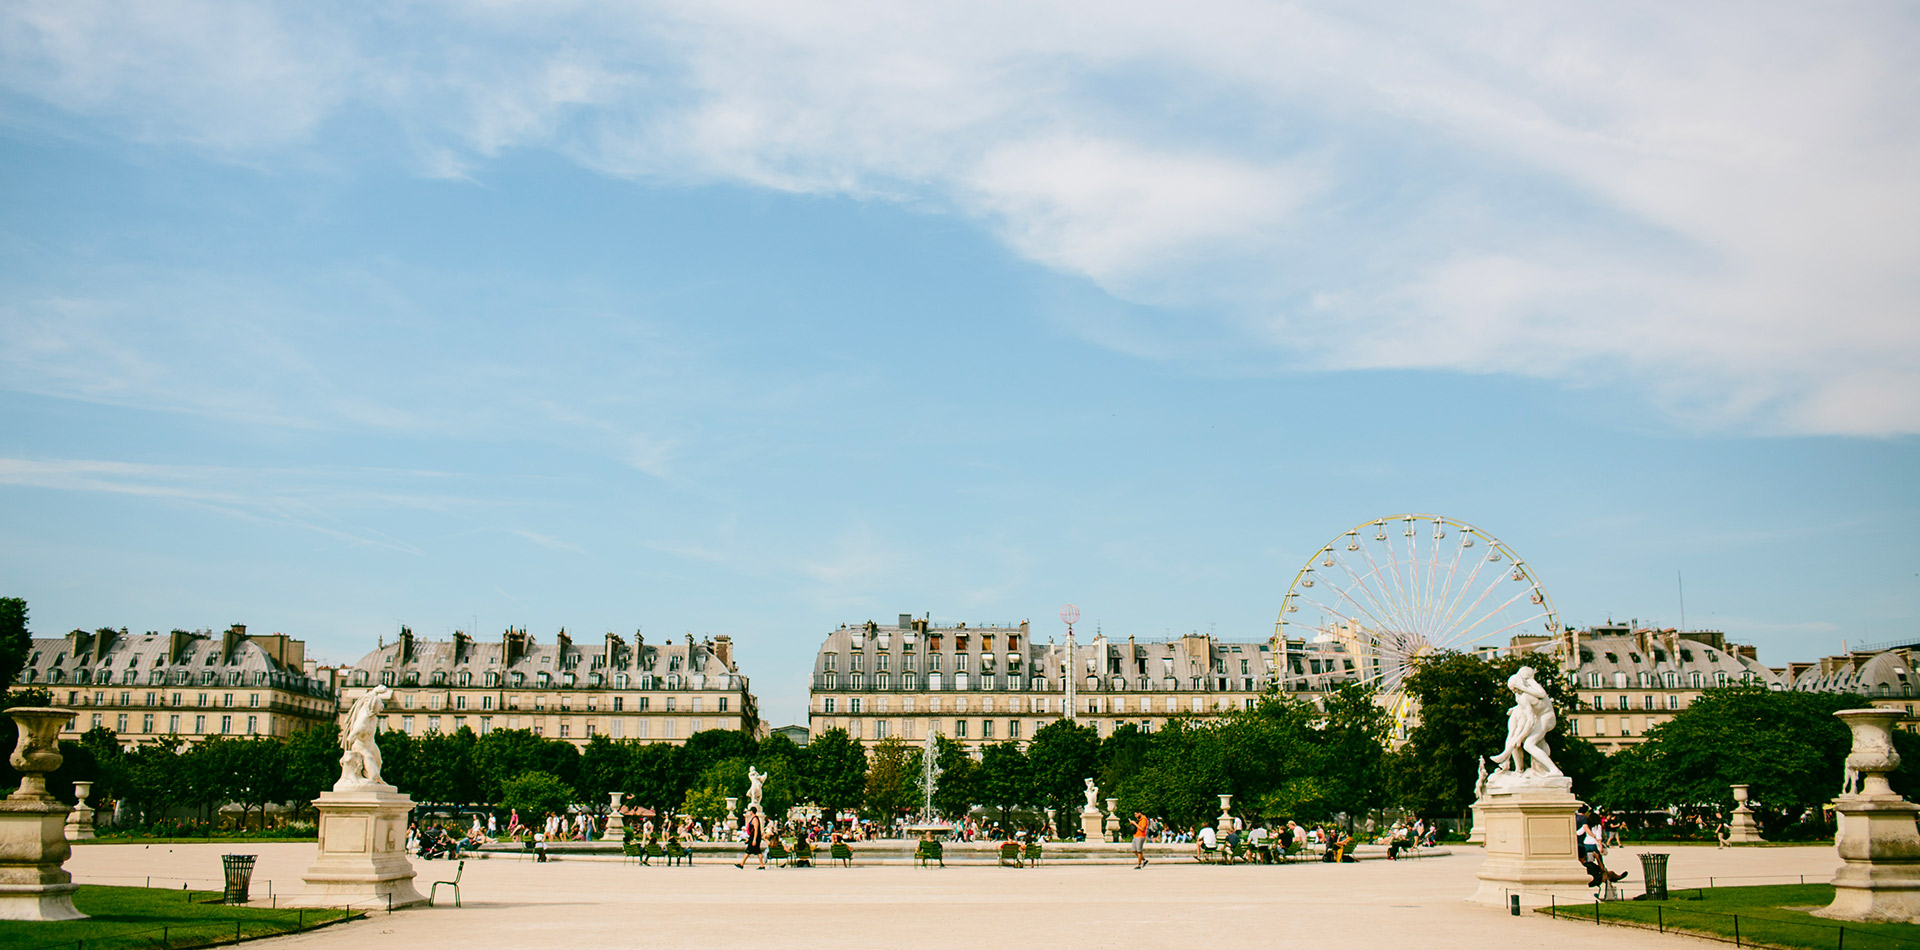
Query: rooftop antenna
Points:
[1681, 581]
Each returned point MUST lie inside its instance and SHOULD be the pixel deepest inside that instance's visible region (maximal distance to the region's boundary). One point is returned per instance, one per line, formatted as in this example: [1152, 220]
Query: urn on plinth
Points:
[80, 820]
[1880, 880]
[1741, 826]
[33, 825]
[616, 824]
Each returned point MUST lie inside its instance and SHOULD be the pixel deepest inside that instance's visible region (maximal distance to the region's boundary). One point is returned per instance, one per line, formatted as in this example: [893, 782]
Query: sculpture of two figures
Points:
[1524, 760]
[1093, 796]
[360, 754]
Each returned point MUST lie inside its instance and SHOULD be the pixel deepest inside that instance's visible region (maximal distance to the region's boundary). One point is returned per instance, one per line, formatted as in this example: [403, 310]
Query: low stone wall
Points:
[901, 850]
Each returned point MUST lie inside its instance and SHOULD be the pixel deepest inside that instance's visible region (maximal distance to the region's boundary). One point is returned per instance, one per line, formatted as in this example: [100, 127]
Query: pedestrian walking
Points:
[756, 832]
[1140, 824]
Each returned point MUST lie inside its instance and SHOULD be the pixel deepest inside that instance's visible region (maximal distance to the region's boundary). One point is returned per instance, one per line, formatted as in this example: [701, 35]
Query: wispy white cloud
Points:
[1714, 201]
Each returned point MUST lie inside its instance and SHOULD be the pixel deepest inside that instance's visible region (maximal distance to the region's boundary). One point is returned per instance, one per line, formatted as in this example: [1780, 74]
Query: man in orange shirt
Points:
[1139, 840]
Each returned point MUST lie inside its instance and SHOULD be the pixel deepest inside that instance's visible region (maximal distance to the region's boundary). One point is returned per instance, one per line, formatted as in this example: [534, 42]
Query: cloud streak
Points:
[1714, 202]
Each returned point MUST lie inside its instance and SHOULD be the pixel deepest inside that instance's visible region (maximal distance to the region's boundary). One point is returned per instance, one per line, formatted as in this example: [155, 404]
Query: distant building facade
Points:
[561, 690]
[185, 684]
[1630, 679]
[980, 685]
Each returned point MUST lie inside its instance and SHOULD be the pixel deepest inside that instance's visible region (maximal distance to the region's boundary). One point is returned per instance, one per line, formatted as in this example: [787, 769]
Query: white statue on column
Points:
[755, 779]
[1093, 796]
[1528, 722]
[360, 756]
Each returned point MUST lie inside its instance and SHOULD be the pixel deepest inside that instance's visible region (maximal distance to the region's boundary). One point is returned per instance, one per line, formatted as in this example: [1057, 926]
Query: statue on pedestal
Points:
[1093, 796]
[360, 756]
[1528, 723]
[755, 779]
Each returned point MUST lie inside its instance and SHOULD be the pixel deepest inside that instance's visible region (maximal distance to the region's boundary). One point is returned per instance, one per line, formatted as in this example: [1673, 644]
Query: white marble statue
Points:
[360, 758]
[1093, 796]
[755, 779]
[1480, 781]
[1528, 723]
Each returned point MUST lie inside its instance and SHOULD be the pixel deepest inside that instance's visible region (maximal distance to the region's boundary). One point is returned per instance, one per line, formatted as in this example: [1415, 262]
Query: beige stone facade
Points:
[981, 685]
[563, 689]
[185, 684]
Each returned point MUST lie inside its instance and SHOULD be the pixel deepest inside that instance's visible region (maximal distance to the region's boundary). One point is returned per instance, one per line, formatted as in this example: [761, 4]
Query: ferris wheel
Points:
[1396, 589]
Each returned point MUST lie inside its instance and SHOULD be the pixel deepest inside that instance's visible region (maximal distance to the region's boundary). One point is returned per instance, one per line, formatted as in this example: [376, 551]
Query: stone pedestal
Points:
[80, 820]
[1090, 821]
[1478, 833]
[1530, 844]
[363, 851]
[615, 823]
[1880, 880]
[1114, 826]
[33, 825]
[733, 816]
[1741, 828]
[1226, 814]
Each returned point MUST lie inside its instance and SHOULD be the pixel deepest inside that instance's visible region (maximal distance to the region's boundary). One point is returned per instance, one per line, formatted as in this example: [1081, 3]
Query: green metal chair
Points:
[434, 891]
[802, 854]
[776, 849]
[1033, 853]
[841, 853]
[1010, 854]
[930, 851]
[676, 853]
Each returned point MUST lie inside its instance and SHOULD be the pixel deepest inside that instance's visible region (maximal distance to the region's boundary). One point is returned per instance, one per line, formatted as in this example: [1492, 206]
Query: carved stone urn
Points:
[1880, 880]
[33, 833]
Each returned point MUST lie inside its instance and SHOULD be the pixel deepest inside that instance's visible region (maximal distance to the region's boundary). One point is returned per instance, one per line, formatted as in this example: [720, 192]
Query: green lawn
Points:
[1770, 915]
[134, 917]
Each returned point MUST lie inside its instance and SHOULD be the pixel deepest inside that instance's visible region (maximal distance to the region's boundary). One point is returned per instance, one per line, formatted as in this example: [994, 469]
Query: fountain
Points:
[929, 777]
[33, 834]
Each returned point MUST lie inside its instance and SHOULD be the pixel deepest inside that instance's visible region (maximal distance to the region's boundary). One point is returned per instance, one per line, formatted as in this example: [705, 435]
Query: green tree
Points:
[653, 776]
[15, 641]
[709, 746]
[444, 770]
[1064, 754]
[836, 771]
[1786, 745]
[1005, 780]
[604, 764]
[313, 764]
[953, 791]
[893, 779]
[535, 794]
[1185, 769]
[1353, 752]
[502, 754]
[1463, 701]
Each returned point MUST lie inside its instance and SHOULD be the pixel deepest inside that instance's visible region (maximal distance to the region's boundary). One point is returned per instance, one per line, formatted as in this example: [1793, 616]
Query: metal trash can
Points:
[239, 868]
[1653, 871]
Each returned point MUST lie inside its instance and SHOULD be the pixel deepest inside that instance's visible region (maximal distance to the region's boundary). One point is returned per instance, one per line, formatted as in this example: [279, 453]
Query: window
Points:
[253, 725]
[723, 704]
[827, 705]
[1673, 702]
[1693, 680]
[459, 702]
[1013, 728]
[1623, 702]
[486, 702]
[619, 702]
[880, 729]
[853, 705]
[959, 728]
[670, 700]
[1648, 702]
[1593, 680]
[120, 724]
[199, 725]
[173, 723]
[226, 725]
[986, 728]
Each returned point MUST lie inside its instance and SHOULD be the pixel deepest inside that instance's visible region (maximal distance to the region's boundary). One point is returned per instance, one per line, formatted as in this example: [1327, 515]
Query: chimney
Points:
[513, 646]
[723, 648]
[906, 621]
[565, 643]
[77, 643]
[231, 641]
[406, 644]
[615, 646]
[103, 641]
[639, 649]
[177, 645]
[461, 644]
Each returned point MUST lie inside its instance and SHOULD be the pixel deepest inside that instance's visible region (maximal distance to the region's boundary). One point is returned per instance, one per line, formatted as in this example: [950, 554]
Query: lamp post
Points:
[1069, 615]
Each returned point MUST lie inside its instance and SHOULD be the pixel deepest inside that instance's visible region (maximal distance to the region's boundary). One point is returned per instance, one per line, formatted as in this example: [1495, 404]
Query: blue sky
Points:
[723, 318]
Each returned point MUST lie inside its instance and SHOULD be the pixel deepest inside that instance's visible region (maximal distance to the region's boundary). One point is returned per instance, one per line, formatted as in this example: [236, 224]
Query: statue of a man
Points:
[1528, 723]
[1093, 795]
[360, 758]
[755, 779]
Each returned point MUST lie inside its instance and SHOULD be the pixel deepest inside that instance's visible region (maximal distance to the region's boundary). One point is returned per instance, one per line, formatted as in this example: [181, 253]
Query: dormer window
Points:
[960, 641]
[833, 661]
[1013, 641]
[986, 642]
[856, 662]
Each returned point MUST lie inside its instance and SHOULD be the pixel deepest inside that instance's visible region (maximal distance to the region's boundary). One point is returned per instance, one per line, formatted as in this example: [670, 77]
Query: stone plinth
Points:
[80, 820]
[1090, 821]
[615, 824]
[1880, 880]
[1478, 833]
[1741, 828]
[363, 850]
[1530, 845]
[33, 825]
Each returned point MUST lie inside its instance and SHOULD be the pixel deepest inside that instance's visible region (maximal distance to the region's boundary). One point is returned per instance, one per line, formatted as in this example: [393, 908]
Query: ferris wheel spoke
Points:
[1473, 578]
[1446, 599]
[1391, 584]
[1381, 610]
[1494, 612]
[1517, 623]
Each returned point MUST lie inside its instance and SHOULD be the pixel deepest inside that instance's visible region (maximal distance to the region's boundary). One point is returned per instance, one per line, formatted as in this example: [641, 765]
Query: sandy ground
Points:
[579, 905]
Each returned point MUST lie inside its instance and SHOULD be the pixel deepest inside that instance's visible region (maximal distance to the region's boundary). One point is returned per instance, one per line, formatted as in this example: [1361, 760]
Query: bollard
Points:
[1513, 905]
